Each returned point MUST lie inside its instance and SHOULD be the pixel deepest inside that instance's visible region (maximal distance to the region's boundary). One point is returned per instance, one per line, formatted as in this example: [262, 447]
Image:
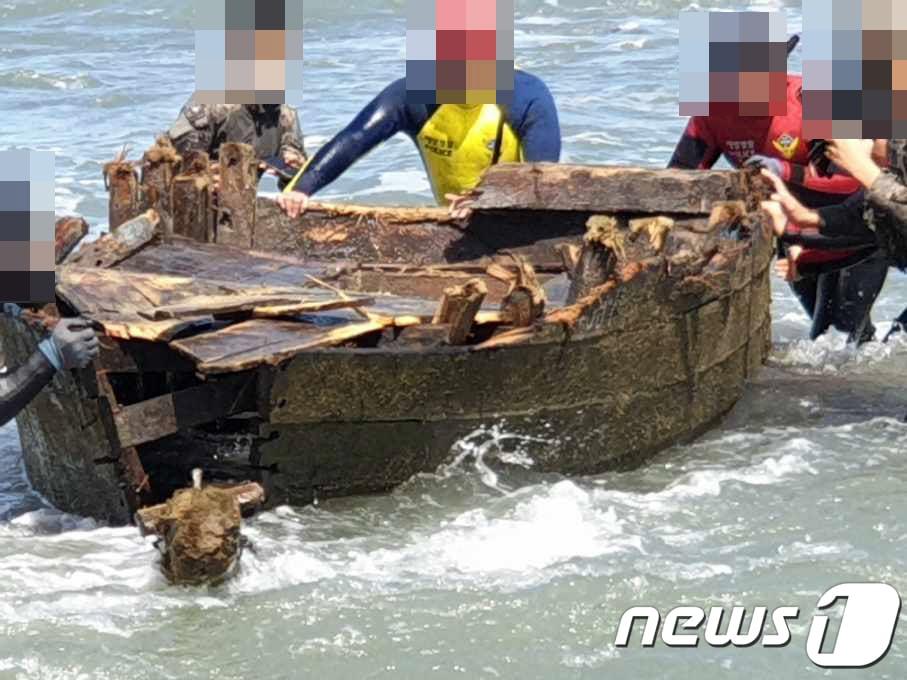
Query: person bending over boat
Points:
[877, 213]
[271, 129]
[842, 286]
[458, 142]
[71, 345]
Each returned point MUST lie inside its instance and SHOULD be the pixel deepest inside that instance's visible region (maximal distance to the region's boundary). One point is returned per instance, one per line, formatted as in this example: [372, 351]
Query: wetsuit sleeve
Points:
[535, 121]
[20, 387]
[890, 195]
[380, 120]
[802, 175]
[697, 148]
[844, 218]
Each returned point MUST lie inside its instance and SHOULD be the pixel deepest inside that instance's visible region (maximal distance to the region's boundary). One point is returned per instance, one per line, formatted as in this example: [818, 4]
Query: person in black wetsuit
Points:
[72, 345]
[458, 142]
[875, 216]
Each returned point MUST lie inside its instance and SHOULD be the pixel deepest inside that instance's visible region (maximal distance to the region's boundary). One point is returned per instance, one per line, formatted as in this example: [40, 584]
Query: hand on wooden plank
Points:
[293, 203]
[461, 205]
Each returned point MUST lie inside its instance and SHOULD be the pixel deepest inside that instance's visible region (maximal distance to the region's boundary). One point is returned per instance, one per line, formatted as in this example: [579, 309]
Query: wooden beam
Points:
[126, 241]
[192, 215]
[162, 416]
[458, 308]
[204, 305]
[237, 196]
[160, 165]
[525, 300]
[578, 188]
[69, 232]
[603, 248]
[260, 342]
[123, 185]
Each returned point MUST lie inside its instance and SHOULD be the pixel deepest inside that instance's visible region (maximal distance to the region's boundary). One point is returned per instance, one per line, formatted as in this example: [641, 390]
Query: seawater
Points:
[484, 569]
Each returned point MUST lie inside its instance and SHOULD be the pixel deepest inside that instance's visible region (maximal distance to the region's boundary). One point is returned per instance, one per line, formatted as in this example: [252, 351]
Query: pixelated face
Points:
[27, 226]
[854, 69]
[733, 62]
[248, 51]
[459, 51]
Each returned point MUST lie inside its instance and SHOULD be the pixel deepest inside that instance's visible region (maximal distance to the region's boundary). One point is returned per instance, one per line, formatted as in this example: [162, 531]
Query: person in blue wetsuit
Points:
[458, 142]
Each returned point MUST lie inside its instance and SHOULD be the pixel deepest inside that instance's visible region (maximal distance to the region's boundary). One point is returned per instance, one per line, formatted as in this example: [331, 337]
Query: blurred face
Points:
[855, 69]
[250, 52]
[733, 63]
[459, 52]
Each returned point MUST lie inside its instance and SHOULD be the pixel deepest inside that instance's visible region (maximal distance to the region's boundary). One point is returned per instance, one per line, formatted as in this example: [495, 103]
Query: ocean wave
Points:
[27, 79]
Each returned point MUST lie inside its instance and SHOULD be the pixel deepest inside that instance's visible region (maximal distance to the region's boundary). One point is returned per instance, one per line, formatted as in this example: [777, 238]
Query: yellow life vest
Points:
[457, 146]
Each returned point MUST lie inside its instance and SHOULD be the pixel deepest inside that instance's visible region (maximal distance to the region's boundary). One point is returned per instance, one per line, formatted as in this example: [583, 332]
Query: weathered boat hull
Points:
[655, 356]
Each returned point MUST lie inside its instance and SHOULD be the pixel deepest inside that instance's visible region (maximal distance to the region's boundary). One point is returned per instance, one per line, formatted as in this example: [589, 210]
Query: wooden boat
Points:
[600, 314]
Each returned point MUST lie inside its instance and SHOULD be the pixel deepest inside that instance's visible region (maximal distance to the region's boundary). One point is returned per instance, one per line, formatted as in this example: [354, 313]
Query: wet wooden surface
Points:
[257, 342]
[577, 188]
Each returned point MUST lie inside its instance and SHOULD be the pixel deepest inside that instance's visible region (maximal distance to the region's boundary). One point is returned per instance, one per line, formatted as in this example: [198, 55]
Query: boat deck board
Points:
[184, 292]
[258, 342]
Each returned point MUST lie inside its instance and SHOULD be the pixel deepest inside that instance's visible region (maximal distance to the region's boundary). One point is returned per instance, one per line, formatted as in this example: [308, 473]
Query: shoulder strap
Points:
[499, 136]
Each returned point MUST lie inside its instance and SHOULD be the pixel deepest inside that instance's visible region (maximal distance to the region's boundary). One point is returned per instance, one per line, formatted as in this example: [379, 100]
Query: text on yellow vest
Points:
[457, 146]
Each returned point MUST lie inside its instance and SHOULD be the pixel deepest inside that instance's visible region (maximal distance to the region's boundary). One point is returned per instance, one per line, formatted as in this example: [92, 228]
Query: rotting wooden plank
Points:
[458, 309]
[259, 342]
[128, 239]
[192, 215]
[578, 188]
[137, 488]
[309, 307]
[69, 232]
[525, 299]
[123, 184]
[222, 304]
[125, 328]
[603, 250]
[366, 234]
[162, 416]
[237, 195]
[159, 166]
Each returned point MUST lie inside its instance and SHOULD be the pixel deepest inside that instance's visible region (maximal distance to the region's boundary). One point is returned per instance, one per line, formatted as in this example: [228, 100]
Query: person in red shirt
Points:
[841, 289]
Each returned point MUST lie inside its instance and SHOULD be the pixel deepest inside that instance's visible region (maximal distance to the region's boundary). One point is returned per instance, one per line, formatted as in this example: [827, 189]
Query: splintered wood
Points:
[264, 342]
[193, 215]
[580, 188]
[238, 189]
[123, 183]
[126, 241]
[603, 249]
[459, 307]
[69, 232]
[159, 166]
[525, 300]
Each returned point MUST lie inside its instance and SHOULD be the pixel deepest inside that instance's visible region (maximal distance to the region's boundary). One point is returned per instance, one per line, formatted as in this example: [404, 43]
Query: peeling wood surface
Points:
[257, 342]
[235, 224]
[458, 309]
[69, 232]
[575, 188]
[156, 418]
[123, 183]
[126, 241]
